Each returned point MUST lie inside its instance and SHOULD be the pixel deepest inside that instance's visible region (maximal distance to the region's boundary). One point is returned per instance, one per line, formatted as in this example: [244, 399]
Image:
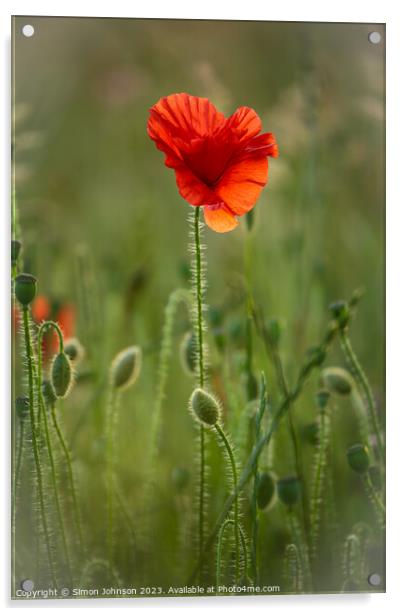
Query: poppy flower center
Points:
[208, 158]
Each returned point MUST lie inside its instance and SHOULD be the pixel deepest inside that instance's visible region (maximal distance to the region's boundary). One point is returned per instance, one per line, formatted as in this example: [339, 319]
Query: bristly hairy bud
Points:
[25, 288]
[358, 458]
[204, 407]
[265, 490]
[126, 367]
[22, 406]
[15, 251]
[61, 375]
[74, 349]
[48, 393]
[188, 353]
[338, 380]
[289, 490]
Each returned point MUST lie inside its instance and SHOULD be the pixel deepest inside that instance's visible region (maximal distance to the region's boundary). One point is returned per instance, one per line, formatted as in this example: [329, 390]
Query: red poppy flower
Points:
[41, 308]
[220, 163]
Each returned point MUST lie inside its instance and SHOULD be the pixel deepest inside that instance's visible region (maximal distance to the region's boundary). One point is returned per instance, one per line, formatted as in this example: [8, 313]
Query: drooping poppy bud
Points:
[74, 349]
[204, 407]
[188, 353]
[125, 368]
[338, 380]
[61, 375]
[289, 490]
[358, 458]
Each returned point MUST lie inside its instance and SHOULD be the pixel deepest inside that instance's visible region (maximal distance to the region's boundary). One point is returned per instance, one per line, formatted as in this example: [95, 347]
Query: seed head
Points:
[25, 288]
[358, 458]
[289, 490]
[125, 368]
[204, 407]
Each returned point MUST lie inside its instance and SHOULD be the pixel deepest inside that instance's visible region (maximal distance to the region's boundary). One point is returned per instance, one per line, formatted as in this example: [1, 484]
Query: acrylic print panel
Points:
[198, 344]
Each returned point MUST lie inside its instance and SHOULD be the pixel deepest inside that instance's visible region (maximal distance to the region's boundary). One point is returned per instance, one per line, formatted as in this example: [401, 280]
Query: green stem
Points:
[321, 463]
[365, 386]
[315, 361]
[201, 369]
[41, 407]
[219, 551]
[273, 353]
[229, 451]
[110, 442]
[17, 473]
[376, 501]
[38, 466]
[70, 473]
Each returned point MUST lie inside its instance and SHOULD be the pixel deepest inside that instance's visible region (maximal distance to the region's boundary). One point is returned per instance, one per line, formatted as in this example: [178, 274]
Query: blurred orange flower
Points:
[40, 308]
[220, 163]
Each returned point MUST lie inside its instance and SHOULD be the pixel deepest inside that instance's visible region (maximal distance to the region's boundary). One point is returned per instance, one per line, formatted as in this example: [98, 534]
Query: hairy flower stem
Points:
[230, 454]
[201, 369]
[365, 387]
[17, 464]
[35, 444]
[220, 549]
[314, 361]
[70, 474]
[320, 478]
[41, 407]
[110, 478]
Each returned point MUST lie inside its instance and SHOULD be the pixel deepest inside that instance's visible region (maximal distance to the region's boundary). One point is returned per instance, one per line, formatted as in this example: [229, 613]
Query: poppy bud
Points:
[337, 380]
[61, 375]
[204, 407]
[22, 406]
[15, 251]
[180, 478]
[340, 312]
[48, 393]
[265, 490]
[125, 368]
[289, 490]
[358, 458]
[322, 398]
[74, 349]
[25, 288]
[188, 353]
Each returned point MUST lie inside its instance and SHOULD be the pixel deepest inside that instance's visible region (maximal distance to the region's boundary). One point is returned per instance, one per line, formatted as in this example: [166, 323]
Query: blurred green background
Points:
[96, 204]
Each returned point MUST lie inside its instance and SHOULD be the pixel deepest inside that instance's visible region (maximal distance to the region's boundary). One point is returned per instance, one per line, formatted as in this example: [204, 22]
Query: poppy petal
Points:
[220, 219]
[241, 184]
[245, 122]
[193, 190]
[263, 145]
